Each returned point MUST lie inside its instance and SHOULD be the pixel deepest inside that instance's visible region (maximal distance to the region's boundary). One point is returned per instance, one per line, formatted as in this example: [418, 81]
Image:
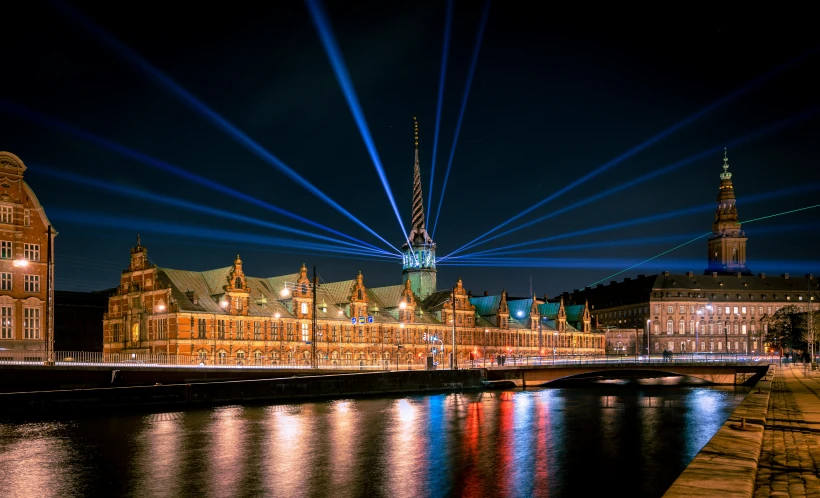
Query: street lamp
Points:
[486, 333]
[726, 335]
[648, 325]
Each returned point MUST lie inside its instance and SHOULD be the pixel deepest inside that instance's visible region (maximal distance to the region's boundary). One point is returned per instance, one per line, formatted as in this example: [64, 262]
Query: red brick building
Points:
[23, 262]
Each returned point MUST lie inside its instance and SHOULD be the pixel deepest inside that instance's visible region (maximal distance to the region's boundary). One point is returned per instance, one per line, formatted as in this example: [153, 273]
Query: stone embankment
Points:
[727, 465]
[260, 390]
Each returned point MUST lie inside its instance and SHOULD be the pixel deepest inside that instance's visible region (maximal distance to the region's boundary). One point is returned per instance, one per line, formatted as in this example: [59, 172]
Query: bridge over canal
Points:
[714, 373]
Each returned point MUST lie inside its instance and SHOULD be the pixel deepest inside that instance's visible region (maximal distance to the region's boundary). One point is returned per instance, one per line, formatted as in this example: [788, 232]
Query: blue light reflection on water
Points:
[550, 442]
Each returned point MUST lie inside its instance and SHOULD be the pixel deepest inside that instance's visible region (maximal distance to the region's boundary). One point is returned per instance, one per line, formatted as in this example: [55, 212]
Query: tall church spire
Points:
[418, 200]
[419, 252]
[727, 244]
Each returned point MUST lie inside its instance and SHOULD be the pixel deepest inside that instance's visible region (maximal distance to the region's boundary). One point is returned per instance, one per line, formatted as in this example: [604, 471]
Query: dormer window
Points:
[359, 295]
[239, 304]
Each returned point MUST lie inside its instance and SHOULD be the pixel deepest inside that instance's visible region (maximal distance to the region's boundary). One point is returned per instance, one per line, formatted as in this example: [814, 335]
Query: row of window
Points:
[31, 283]
[689, 347]
[710, 328]
[31, 323]
[31, 252]
[248, 330]
[7, 215]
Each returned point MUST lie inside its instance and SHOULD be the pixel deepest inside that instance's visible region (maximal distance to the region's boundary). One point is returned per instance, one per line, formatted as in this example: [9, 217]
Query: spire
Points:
[725, 175]
[138, 241]
[418, 201]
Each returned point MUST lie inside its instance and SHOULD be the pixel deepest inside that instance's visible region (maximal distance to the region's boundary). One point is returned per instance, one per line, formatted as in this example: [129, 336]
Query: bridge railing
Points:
[513, 361]
[86, 358]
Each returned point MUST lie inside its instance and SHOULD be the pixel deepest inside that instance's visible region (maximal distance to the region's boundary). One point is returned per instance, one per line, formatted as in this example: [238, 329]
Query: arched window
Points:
[719, 327]
[734, 255]
[304, 308]
[681, 327]
[238, 283]
[711, 328]
[735, 328]
[359, 295]
[691, 326]
[670, 327]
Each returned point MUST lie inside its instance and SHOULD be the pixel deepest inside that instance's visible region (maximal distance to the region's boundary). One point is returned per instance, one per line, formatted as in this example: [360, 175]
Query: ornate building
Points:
[24, 249]
[727, 309]
[223, 316]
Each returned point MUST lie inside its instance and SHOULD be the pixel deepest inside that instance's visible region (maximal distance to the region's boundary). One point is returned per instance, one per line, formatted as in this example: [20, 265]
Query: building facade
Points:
[726, 309]
[24, 249]
[224, 316]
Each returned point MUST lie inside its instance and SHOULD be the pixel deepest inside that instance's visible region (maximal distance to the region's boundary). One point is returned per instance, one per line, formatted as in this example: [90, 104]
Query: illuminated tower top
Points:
[419, 251]
[727, 244]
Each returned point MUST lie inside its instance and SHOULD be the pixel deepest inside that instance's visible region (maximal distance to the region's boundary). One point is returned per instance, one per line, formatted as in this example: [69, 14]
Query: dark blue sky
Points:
[552, 99]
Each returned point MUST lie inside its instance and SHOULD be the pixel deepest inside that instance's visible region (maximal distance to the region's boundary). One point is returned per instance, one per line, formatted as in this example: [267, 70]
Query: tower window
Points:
[304, 308]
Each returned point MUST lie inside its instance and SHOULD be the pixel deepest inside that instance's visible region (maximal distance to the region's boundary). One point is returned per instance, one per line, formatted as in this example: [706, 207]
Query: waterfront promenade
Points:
[789, 463]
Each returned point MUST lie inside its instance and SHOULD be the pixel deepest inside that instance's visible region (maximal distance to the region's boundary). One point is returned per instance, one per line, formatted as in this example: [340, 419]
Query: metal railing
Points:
[86, 358]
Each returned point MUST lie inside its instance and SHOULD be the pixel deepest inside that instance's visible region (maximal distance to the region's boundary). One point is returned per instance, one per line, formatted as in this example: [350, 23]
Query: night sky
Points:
[552, 99]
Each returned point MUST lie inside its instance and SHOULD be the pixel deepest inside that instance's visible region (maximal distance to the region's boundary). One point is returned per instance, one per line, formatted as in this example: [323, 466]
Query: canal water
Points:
[627, 441]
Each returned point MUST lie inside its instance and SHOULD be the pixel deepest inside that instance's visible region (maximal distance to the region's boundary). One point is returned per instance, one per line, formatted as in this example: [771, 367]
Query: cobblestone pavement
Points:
[790, 459]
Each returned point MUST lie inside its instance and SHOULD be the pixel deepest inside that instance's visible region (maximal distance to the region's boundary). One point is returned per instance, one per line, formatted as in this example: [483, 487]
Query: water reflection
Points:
[558, 442]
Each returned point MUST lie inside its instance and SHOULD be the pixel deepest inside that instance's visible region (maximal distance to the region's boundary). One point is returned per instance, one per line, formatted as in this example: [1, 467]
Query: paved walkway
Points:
[789, 463]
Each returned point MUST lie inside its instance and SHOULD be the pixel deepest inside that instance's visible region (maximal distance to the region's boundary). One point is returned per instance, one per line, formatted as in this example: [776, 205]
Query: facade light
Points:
[277, 316]
[20, 263]
[402, 305]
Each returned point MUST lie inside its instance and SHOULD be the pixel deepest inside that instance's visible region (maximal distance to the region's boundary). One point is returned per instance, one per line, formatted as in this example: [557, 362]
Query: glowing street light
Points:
[285, 292]
[20, 263]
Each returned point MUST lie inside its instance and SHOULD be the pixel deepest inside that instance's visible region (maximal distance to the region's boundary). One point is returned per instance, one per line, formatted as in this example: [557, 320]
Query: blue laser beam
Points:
[443, 72]
[766, 130]
[704, 235]
[61, 126]
[141, 194]
[660, 136]
[600, 263]
[639, 241]
[146, 225]
[485, 13]
[209, 114]
[334, 54]
[703, 208]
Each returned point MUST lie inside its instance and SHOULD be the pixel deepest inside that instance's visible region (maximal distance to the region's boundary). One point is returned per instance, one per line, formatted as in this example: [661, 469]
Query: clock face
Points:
[419, 258]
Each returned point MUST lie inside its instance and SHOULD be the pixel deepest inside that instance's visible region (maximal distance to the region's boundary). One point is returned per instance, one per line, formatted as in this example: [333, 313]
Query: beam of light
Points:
[148, 225]
[334, 54]
[603, 263]
[485, 13]
[444, 52]
[640, 241]
[766, 130]
[760, 80]
[141, 194]
[209, 114]
[703, 208]
[702, 236]
[61, 126]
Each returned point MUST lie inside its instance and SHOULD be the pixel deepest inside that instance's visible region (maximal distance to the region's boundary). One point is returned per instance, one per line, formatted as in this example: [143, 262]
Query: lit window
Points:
[305, 334]
[31, 252]
[6, 323]
[6, 214]
[669, 309]
[670, 327]
[5, 281]
[736, 310]
[5, 249]
[304, 308]
[31, 323]
[31, 283]
[728, 310]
